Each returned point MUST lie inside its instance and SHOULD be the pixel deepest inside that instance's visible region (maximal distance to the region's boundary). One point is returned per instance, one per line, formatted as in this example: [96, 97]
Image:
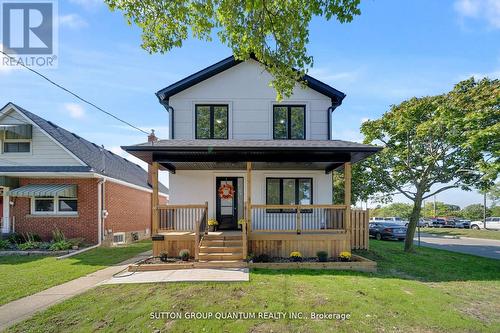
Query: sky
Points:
[393, 51]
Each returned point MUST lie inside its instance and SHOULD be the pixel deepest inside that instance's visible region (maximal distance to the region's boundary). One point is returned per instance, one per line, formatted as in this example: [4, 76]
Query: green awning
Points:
[45, 190]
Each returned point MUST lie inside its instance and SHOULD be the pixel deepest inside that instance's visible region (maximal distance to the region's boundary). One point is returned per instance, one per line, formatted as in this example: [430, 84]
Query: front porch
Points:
[274, 196]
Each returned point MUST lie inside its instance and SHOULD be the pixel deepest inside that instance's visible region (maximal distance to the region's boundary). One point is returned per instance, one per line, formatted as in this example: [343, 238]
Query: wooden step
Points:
[221, 242]
[220, 264]
[220, 256]
[211, 249]
[222, 237]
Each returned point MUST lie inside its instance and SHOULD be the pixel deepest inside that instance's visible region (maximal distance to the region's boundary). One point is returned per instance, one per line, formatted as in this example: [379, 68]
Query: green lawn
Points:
[487, 234]
[426, 291]
[25, 275]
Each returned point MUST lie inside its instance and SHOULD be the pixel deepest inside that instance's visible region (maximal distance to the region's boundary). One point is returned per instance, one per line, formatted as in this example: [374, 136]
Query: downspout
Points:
[330, 110]
[100, 210]
[170, 111]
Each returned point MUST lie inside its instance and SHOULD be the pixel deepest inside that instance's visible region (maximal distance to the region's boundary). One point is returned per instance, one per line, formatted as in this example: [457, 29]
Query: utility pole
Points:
[484, 209]
[434, 205]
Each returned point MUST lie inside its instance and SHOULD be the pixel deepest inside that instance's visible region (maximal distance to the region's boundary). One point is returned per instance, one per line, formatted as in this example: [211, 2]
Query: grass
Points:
[427, 291]
[26, 275]
[486, 234]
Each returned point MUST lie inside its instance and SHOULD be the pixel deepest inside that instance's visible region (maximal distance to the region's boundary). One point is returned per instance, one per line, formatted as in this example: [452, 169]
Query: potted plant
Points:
[322, 256]
[241, 222]
[345, 256]
[163, 256]
[184, 254]
[212, 225]
[296, 256]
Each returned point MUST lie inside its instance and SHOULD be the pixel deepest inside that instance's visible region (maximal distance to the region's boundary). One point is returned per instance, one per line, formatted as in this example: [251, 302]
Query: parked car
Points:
[464, 224]
[437, 223]
[425, 223]
[387, 230]
[492, 223]
[443, 222]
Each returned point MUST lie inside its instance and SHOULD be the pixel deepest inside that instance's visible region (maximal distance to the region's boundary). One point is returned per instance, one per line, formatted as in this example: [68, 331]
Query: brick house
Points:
[51, 178]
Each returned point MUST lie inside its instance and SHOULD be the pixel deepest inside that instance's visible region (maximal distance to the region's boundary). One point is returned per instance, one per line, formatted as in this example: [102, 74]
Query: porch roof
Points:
[266, 154]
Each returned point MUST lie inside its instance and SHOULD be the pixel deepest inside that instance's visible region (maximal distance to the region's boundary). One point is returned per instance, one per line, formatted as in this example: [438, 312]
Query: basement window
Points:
[118, 238]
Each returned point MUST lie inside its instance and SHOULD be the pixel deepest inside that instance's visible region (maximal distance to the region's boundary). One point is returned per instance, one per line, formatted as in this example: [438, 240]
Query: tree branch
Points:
[440, 190]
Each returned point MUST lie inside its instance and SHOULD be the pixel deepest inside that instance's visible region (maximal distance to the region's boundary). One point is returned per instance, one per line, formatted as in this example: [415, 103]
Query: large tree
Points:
[275, 32]
[436, 143]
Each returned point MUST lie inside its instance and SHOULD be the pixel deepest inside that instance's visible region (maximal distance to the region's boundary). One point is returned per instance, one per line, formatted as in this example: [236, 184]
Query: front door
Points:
[226, 192]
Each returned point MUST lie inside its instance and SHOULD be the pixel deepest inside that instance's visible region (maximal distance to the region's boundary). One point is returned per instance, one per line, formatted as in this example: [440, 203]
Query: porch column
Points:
[155, 199]
[249, 196]
[6, 212]
[347, 200]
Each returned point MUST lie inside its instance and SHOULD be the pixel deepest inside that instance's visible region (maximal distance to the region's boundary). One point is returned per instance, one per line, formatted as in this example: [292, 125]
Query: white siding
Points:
[44, 151]
[198, 186]
[245, 88]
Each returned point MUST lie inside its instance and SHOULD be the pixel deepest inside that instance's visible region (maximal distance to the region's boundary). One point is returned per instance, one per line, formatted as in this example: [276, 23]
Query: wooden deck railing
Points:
[200, 231]
[299, 218]
[180, 217]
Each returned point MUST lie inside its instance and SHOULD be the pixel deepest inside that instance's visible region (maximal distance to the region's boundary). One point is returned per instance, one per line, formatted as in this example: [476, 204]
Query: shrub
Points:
[345, 256]
[322, 256]
[16, 238]
[184, 254]
[60, 245]
[296, 256]
[57, 235]
[163, 256]
[29, 245]
[4, 244]
[44, 245]
[262, 258]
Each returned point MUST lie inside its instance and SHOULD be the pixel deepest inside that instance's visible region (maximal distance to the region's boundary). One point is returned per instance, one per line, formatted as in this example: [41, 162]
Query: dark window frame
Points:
[211, 106]
[18, 143]
[289, 120]
[297, 180]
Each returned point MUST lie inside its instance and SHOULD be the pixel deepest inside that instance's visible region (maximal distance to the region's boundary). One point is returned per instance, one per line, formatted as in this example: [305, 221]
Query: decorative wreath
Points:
[226, 191]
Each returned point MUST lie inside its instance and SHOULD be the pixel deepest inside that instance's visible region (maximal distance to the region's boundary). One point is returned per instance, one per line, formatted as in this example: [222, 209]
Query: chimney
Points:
[151, 139]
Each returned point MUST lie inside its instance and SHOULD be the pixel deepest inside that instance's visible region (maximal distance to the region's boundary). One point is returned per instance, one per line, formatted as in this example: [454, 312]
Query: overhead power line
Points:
[75, 95]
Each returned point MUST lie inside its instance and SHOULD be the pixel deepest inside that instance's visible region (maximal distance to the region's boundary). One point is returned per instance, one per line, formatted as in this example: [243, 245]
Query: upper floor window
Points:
[211, 121]
[289, 122]
[16, 138]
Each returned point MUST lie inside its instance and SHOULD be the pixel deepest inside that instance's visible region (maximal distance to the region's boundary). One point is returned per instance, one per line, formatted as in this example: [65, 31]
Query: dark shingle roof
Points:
[225, 64]
[258, 144]
[99, 160]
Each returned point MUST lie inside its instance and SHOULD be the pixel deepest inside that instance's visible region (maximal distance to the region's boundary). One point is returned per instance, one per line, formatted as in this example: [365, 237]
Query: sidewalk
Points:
[21, 309]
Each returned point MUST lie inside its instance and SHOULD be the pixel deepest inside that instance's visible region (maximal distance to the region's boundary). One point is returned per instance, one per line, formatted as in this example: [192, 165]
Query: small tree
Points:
[475, 212]
[432, 143]
[275, 32]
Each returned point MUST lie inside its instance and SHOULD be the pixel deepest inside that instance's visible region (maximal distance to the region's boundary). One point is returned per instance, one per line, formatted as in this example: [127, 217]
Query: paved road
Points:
[480, 247]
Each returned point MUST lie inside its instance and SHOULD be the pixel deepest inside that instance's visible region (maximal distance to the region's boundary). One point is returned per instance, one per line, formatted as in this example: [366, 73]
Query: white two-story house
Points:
[235, 153]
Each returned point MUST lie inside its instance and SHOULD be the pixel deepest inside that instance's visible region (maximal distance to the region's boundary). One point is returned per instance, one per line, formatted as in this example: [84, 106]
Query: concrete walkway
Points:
[183, 275]
[21, 309]
[488, 248]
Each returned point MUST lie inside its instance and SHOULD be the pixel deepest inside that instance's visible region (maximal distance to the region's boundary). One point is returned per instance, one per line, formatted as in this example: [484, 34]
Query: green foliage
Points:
[474, 212]
[322, 256]
[397, 209]
[57, 236]
[439, 208]
[28, 245]
[163, 256]
[449, 139]
[4, 244]
[262, 258]
[495, 211]
[16, 238]
[60, 245]
[184, 254]
[275, 32]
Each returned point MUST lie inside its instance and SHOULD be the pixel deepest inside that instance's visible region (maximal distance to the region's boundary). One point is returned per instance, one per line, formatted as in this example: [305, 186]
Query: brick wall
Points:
[82, 226]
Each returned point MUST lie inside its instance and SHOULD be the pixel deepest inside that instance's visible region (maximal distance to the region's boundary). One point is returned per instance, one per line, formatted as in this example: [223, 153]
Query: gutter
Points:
[100, 209]
[170, 111]
[335, 104]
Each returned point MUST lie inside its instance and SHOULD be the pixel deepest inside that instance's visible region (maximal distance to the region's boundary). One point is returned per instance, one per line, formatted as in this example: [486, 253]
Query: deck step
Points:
[220, 256]
[221, 264]
[223, 237]
[221, 242]
[211, 249]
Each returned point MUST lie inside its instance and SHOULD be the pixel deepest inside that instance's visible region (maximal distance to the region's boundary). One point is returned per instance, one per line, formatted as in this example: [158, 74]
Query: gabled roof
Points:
[225, 64]
[97, 159]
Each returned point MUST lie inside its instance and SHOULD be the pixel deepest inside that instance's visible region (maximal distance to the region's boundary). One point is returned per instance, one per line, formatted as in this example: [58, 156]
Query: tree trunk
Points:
[412, 225]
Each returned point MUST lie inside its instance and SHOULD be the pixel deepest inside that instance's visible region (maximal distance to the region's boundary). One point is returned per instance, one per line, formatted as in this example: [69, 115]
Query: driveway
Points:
[479, 247]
